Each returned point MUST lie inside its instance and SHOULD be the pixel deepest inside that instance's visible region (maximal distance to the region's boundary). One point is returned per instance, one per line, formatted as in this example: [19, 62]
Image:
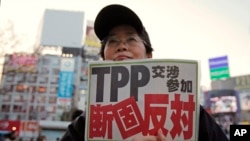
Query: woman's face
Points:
[123, 43]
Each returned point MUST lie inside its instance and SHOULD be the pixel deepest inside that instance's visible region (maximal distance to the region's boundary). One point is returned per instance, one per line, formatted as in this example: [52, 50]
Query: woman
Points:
[124, 37]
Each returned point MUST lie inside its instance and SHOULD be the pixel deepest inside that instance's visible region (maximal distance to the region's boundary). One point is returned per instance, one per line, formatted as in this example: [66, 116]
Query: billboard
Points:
[22, 128]
[66, 79]
[91, 39]
[62, 28]
[223, 104]
[219, 68]
[20, 62]
[92, 44]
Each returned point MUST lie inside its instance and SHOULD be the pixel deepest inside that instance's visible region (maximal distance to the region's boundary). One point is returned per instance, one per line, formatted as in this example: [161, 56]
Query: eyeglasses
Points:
[132, 41]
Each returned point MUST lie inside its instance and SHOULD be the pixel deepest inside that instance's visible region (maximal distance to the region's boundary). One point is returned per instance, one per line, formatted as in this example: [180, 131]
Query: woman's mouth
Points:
[121, 57]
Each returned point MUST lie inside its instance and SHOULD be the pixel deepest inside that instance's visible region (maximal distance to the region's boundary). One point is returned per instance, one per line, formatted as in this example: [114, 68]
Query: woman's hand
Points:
[159, 137]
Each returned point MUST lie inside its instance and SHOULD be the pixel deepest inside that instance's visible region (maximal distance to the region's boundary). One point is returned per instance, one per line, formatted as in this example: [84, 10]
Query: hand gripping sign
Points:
[139, 97]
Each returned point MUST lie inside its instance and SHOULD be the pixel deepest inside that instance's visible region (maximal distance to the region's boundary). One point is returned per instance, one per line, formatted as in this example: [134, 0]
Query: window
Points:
[31, 109]
[19, 117]
[56, 71]
[52, 100]
[18, 98]
[5, 108]
[44, 71]
[8, 88]
[42, 113]
[32, 78]
[32, 98]
[20, 78]
[54, 80]
[6, 98]
[17, 108]
[42, 89]
[9, 78]
[41, 99]
[33, 89]
[55, 62]
[53, 90]
[20, 88]
[41, 109]
[43, 80]
[45, 61]
[4, 116]
[51, 109]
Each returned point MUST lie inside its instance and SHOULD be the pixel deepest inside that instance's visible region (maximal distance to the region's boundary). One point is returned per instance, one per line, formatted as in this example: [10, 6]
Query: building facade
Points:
[30, 91]
[40, 88]
[29, 87]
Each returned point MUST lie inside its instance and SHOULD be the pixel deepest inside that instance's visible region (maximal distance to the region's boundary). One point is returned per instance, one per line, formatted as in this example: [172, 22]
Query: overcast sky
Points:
[185, 29]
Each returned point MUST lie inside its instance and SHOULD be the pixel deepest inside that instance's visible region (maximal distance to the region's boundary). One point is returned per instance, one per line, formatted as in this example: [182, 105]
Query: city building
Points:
[35, 88]
[40, 91]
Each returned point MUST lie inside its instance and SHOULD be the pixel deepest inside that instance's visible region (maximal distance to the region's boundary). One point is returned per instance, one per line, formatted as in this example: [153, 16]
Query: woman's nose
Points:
[122, 46]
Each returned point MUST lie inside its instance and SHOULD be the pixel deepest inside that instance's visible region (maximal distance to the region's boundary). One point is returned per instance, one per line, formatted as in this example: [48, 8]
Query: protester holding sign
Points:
[124, 37]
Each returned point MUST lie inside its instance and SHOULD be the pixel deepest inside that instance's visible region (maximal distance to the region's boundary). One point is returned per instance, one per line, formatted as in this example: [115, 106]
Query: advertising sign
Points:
[66, 78]
[19, 62]
[29, 128]
[92, 44]
[6, 126]
[245, 101]
[242, 82]
[219, 68]
[223, 104]
[62, 28]
[91, 38]
[139, 97]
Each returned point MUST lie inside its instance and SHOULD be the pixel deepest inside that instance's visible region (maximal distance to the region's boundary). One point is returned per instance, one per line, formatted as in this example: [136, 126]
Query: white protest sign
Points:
[139, 97]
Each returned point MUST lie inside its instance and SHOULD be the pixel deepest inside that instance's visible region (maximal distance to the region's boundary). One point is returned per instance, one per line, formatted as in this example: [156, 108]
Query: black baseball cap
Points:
[114, 15]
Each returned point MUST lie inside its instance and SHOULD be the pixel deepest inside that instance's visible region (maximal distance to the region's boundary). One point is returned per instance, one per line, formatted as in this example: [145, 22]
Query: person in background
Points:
[123, 36]
[76, 113]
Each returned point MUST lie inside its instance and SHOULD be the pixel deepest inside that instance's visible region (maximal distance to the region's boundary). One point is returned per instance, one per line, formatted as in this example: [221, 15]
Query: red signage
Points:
[10, 125]
[22, 63]
[29, 126]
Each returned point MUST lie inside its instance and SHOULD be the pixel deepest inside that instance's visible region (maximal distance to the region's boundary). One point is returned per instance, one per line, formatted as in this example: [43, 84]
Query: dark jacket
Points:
[209, 130]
